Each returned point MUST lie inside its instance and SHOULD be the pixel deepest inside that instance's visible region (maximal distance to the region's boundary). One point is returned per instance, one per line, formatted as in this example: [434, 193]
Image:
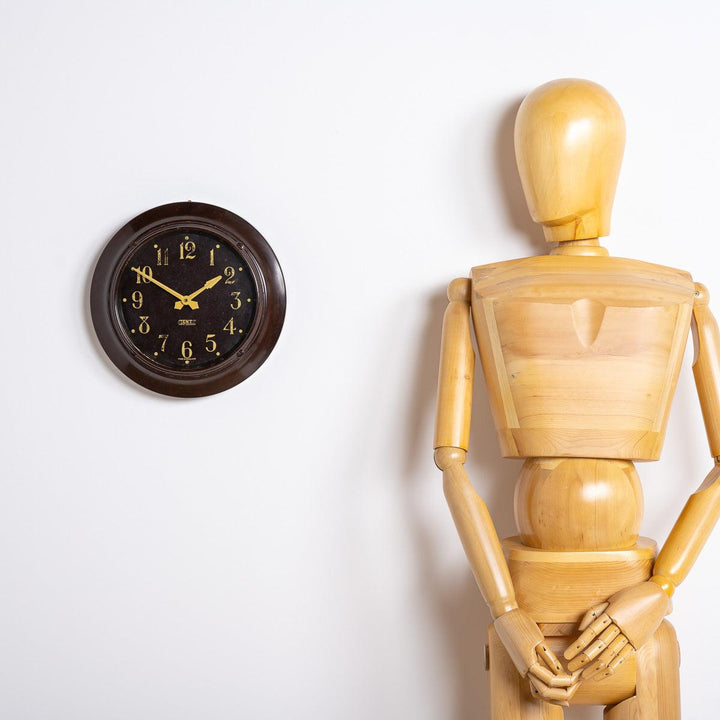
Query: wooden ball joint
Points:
[581, 353]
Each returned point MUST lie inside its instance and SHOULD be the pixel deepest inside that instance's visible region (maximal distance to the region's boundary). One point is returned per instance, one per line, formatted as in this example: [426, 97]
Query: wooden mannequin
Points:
[580, 353]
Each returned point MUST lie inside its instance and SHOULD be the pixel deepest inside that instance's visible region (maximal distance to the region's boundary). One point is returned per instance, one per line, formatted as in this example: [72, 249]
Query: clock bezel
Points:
[269, 311]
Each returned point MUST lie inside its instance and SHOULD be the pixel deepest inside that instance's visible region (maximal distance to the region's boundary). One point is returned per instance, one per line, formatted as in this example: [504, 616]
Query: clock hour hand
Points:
[188, 299]
[183, 300]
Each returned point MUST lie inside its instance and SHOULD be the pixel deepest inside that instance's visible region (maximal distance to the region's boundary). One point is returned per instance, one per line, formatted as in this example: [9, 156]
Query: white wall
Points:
[282, 550]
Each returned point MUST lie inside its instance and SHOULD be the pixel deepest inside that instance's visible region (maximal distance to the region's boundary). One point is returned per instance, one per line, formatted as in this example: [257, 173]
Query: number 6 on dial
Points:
[185, 301]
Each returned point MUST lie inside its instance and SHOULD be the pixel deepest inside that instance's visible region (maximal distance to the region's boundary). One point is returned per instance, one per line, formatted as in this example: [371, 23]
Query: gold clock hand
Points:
[183, 299]
[151, 279]
[189, 298]
[206, 286]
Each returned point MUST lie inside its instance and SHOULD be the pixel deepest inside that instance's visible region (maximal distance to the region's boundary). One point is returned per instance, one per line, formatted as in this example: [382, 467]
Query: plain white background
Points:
[282, 550]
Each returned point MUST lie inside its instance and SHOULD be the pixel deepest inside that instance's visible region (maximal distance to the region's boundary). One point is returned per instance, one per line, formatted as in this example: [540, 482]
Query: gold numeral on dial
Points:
[212, 257]
[229, 273]
[144, 327]
[164, 339]
[162, 256]
[237, 302]
[186, 349]
[210, 344]
[137, 299]
[146, 277]
[187, 250]
[230, 326]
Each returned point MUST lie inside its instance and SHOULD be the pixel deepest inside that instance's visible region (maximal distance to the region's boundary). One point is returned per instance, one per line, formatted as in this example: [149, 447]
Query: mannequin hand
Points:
[534, 659]
[616, 629]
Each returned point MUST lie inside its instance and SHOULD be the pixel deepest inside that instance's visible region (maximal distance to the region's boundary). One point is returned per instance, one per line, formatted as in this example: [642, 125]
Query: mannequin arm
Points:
[452, 430]
[477, 533]
[518, 632]
[623, 624]
[702, 510]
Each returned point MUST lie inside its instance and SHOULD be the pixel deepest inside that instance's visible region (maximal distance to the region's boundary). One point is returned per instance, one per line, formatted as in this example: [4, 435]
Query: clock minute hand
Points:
[206, 286]
[182, 298]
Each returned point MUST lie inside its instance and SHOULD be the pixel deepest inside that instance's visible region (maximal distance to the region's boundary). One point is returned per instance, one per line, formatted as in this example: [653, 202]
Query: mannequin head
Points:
[569, 142]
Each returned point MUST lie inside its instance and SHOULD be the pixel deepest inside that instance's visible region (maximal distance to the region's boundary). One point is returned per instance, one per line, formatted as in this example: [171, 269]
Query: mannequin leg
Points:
[657, 695]
[510, 697]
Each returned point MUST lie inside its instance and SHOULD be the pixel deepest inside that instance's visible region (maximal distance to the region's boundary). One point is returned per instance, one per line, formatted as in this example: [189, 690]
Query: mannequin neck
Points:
[591, 246]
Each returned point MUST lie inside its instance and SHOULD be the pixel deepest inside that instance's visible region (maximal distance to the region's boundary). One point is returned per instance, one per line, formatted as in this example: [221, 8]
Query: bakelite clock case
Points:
[237, 238]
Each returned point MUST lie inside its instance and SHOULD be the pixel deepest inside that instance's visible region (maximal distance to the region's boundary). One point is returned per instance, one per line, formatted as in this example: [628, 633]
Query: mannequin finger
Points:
[603, 642]
[549, 658]
[622, 656]
[578, 662]
[592, 615]
[541, 690]
[613, 665]
[551, 680]
[592, 631]
[613, 649]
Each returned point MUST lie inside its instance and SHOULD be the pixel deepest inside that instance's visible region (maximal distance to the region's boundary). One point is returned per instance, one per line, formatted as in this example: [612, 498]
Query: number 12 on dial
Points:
[188, 299]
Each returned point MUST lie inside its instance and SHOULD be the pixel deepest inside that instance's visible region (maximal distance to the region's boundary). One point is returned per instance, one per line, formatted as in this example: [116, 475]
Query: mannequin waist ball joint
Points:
[581, 353]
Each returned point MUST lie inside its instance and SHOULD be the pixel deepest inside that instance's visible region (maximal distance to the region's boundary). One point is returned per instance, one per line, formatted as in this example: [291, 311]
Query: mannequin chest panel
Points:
[581, 355]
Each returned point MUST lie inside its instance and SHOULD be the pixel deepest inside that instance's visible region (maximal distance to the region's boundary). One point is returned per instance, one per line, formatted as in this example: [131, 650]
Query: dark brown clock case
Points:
[235, 235]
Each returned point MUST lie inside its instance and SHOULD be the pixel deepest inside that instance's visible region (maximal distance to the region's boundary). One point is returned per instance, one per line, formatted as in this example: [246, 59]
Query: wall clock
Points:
[188, 299]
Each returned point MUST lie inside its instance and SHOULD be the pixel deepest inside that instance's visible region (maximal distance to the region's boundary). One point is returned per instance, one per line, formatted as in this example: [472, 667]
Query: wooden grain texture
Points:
[626, 710]
[581, 354]
[457, 362]
[667, 672]
[569, 143]
[558, 629]
[657, 693]
[642, 608]
[702, 510]
[609, 691]
[647, 691]
[690, 532]
[520, 636]
[510, 697]
[478, 535]
[560, 587]
[706, 367]
[578, 504]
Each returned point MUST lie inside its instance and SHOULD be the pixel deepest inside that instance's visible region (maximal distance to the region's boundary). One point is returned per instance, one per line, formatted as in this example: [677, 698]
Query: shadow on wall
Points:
[457, 605]
[516, 211]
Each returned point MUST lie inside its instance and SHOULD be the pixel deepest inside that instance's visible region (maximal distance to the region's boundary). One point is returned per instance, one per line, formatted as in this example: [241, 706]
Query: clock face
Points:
[186, 299]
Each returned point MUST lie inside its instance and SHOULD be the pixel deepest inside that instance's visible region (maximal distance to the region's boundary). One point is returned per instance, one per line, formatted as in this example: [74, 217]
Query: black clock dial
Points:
[186, 299]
